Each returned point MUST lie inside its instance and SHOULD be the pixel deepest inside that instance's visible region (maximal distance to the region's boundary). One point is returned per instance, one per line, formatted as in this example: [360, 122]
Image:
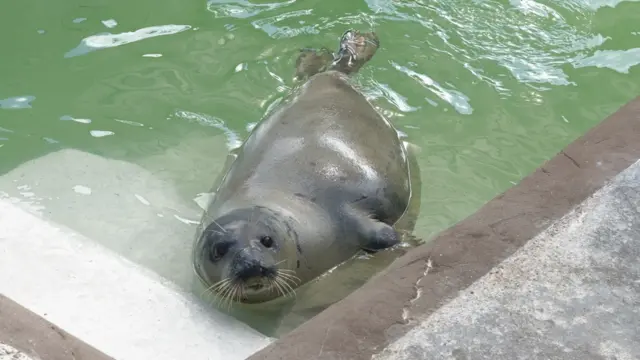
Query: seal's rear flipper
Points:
[311, 62]
[356, 49]
[374, 235]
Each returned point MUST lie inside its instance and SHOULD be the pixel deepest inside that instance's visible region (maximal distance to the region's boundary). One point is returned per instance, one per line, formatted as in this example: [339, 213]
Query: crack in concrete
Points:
[572, 159]
[406, 310]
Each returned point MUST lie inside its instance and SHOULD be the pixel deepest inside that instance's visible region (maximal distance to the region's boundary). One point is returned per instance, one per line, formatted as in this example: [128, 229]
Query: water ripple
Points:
[108, 40]
[532, 49]
[377, 90]
[618, 60]
[242, 8]
[458, 100]
[597, 4]
[233, 139]
[17, 102]
[110, 23]
[268, 25]
[101, 133]
[78, 120]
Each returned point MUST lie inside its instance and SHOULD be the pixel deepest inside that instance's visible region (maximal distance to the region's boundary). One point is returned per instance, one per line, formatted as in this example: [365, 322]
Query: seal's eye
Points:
[219, 250]
[266, 241]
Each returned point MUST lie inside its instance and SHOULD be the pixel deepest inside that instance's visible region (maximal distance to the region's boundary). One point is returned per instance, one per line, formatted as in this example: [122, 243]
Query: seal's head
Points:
[247, 255]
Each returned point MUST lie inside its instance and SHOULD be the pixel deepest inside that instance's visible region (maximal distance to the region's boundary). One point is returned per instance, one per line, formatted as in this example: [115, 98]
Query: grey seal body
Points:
[319, 179]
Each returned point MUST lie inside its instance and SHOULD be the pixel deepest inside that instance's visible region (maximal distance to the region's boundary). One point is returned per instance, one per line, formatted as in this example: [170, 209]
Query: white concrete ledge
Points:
[112, 304]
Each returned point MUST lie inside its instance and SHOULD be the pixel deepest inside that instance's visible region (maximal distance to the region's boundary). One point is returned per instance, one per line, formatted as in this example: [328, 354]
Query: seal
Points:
[319, 179]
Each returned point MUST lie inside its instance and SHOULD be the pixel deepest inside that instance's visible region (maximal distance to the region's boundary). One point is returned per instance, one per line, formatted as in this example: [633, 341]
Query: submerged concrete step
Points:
[123, 310]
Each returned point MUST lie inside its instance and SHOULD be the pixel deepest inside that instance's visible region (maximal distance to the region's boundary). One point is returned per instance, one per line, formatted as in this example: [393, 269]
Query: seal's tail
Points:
[356, 49]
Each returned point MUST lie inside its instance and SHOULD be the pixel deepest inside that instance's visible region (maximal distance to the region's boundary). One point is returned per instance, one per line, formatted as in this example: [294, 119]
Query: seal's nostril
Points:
[249, 272]
[247, 269]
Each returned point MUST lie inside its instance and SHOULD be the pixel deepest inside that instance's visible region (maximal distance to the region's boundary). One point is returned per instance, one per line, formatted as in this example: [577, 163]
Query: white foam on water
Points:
[110, 23]
[455, 98]
[78, 120]
[132, 123]
[618, 60]
[183, 220]
[17, 102]
[101, 133]
[81, 189]
[142, 199]
[108, 40]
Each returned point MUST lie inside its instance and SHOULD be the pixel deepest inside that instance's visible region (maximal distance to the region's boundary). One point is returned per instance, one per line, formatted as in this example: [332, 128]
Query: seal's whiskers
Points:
[288, 274]
[279, 262]
[294, 280]
[225, 292]
[286, 281]
[287, 287]
[279, 286]
[213, 287]
[232, 295]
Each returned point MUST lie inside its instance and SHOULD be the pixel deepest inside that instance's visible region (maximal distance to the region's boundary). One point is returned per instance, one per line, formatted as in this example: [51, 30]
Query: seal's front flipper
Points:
[374, 235]
[311, 62]
[378, 236]
[356, 49]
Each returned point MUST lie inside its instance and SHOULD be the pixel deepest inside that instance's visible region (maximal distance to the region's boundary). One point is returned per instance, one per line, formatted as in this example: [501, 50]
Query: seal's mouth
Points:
[256, 287]
[256, 284]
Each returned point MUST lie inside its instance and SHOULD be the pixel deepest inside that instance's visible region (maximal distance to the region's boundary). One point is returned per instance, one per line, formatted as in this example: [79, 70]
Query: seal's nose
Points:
[252, 268]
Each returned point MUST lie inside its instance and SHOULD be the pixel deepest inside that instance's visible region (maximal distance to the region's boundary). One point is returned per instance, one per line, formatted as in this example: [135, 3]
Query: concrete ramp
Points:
[99, 247]
[572, 292]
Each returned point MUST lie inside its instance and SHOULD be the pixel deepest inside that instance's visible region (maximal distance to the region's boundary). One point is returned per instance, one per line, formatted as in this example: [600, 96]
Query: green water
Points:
[488, 89]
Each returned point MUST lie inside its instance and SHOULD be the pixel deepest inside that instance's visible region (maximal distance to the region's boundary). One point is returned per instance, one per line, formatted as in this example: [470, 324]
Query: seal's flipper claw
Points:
[311, 62]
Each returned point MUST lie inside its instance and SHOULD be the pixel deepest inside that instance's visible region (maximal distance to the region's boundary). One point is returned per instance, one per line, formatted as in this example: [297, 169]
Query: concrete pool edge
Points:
[33, 335]
[424, 279]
